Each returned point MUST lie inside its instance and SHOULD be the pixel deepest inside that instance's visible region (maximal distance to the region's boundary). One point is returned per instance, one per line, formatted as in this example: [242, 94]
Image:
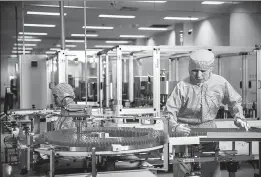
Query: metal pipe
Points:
[131, 79]
[177, 69]
[85, 54]
[124, 70]
[170, 70]
[22, 27]
[98, 79]
[107, 77]
[258, 86]
[94, 172]
[219, 66]
[156, 81]
[61, 3]
[101, 81]
[119, 78]
[244, 80]
[52, 163]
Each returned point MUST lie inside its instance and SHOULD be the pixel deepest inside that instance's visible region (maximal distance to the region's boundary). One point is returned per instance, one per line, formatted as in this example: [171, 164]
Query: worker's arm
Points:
[173, 106]
[234, 101]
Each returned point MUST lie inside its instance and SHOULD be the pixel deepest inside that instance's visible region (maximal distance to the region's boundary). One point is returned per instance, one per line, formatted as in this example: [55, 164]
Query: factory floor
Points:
[245, 170]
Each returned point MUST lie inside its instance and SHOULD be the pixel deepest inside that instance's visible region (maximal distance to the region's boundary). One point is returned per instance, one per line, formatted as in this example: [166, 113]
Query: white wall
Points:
[245, 24]
[211, 32]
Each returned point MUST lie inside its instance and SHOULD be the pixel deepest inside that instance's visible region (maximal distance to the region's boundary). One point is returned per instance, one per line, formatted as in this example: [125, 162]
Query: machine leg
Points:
[52, 164]
[232, 168]
[94, 172]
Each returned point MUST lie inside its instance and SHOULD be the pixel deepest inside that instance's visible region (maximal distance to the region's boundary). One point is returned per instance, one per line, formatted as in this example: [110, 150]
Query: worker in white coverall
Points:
[195, 101]
[63, 95]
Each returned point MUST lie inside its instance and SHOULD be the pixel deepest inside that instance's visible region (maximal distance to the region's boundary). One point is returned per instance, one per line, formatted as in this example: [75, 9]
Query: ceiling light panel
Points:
[39, 25]
[103, 46]
[180, 18]
[212, 2]
[30, 40]
[77, 41]
[58, 45]
[116, 16]
[98, 27]
[153, 1]
[117, 42]
[27, 45]
[32, 33]
[50, 52]
[132, 36]
[20, 52]
[152, 29]
[82, 35]
[21, 48]
[44, 13]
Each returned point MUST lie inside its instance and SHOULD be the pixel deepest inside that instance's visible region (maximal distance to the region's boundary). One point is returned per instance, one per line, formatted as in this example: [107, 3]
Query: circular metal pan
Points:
[122, 138]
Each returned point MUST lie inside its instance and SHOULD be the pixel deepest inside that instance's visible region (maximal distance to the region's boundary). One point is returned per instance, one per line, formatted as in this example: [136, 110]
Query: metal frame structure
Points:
[175, 53]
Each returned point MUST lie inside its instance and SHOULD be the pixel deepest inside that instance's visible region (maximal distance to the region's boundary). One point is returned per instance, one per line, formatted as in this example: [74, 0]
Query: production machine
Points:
[102, 144]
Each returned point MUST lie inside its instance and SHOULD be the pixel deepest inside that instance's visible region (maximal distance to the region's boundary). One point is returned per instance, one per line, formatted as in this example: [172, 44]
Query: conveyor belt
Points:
[125, 136]
[204, 131]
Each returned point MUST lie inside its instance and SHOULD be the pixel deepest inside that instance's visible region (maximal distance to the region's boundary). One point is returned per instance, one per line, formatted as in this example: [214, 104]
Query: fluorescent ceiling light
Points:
[13, 56]
[212, 2]
[32, 33]
[153, 1]
[31, 40]
[21, 48]
[58, 45]
[97, 27]
[14, 51]
[55, 49]
[82, 35]
[44, 13]
[28, 45]
[132, 36]
[180, 18]
[79, 41]
[103, 46]
[50, 52]
[39, 25]
[116, 16]
[150, 28]
[117, 42]
[74, 7]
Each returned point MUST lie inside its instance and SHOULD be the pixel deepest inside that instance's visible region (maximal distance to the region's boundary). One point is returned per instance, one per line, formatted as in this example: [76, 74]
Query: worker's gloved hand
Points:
[241, 123]
[182, 128]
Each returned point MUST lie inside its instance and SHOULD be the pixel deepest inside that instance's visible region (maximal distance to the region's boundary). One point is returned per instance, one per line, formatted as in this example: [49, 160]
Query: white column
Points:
[156, 80]
[62, 67]
[244, 80]
[176, 69]
[100, 81]
[131, 79]
[258, 81]
[219, 65]
[107, 80]
[119, 77]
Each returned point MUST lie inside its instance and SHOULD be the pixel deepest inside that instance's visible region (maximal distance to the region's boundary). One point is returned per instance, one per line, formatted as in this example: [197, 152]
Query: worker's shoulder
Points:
[184, 82]
[218, 78]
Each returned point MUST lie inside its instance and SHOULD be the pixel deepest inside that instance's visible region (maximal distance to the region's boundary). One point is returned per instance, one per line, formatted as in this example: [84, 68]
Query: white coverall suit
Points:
[196, 104]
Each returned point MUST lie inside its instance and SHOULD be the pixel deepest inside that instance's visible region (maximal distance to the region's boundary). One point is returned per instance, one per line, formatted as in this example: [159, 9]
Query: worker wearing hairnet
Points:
[63, 95]
[195, 101]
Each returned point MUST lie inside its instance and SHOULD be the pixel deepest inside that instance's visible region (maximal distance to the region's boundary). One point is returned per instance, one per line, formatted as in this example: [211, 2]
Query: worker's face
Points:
[57, 100]
[200, 75]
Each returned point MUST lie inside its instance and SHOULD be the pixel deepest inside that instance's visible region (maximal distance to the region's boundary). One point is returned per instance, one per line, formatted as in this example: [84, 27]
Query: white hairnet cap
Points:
[201, 60]
[63, 90]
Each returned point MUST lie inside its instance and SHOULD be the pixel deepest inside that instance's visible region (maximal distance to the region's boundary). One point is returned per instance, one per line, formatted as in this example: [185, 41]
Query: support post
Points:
[131, 79]
[107, 80]
[119, 79]
[156, 81]
[62, 67]
[101, 81]
[244, 80]
[219, 65]
[176, 69]
[61, 3]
